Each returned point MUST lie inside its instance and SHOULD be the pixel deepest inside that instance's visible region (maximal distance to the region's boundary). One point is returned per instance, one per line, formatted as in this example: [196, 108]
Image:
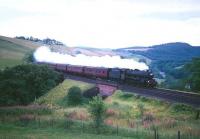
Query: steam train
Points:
[134, 77]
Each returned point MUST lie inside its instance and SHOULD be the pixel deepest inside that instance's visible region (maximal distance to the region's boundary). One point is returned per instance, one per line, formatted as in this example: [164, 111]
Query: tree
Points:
[29, 57]
[21, 84]
[74, 96]
[194, 77]
[97, 108]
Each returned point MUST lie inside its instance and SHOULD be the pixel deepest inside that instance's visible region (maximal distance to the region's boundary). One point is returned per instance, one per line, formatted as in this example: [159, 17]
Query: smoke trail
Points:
[44, 54]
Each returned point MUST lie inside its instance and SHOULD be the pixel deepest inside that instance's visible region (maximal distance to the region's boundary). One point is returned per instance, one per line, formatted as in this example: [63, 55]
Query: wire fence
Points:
[80, 127]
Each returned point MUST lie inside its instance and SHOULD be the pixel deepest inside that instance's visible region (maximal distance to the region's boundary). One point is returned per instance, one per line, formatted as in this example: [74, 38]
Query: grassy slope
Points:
[13, 50]
[124, 110]
[57, 96]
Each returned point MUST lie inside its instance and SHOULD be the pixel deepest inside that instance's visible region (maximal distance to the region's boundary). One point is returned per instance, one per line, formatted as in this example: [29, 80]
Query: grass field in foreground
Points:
[124, 111]
[14, 132]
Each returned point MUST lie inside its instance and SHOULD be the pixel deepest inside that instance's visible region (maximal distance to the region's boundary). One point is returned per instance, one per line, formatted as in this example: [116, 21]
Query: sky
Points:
[103, 23]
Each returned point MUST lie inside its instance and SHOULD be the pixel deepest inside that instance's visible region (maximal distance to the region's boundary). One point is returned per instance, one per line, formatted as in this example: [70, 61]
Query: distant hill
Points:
[166, 61]
[82, 50]
[13, 50]
[170, 51]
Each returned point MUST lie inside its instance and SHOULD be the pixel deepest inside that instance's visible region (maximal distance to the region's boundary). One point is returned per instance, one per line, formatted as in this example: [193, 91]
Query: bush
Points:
[74, 96]
[97, 109]
[141, 109]
[92, 92]
[179, 107]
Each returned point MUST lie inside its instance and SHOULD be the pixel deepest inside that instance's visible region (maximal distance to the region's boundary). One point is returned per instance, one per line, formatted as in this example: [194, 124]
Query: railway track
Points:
[169, 95]
[163, 94]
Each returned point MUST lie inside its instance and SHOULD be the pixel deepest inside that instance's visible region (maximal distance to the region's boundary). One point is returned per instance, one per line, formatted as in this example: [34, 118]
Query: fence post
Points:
[117, 130]
[82, 127]
[155, 134]
[179, 135]
[198, 114]
[52, 122]
[39, 122]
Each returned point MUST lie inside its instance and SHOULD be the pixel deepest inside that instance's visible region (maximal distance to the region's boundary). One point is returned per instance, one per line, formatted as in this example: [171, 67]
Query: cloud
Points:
[43, 54]
[103, 23]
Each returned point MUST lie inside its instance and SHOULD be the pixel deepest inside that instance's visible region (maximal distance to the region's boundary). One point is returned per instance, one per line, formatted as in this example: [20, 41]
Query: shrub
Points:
[74, 96]
[178, 107]
[97, 109]
[112, 112]
[92, 92]
[144, 99]
[141, 109]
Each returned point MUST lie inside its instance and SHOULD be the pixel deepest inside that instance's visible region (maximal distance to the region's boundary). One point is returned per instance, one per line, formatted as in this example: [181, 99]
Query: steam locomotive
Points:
[134, 77]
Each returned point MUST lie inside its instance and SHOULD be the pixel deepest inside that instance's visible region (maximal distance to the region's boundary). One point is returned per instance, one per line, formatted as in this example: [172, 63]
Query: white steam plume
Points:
[44, 54]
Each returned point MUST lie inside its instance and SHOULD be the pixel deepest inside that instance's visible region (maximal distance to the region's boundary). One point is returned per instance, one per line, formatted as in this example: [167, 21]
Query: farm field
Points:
[127, 115]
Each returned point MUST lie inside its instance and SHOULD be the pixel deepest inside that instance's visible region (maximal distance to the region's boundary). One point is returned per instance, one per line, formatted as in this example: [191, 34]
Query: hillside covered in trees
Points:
[167, 61]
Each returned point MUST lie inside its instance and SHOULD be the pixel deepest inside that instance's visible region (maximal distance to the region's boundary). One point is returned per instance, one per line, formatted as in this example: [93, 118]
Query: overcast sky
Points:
[103, 23]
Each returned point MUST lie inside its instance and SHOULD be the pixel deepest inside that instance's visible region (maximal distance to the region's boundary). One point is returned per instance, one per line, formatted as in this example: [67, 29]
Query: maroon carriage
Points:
[52, 65]
[61, 67]
[96, 72]
[75, 69]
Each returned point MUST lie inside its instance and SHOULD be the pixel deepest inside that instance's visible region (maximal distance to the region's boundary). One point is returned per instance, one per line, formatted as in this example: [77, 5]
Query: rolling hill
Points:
[12, 50]
[162, 59]
[177, 51]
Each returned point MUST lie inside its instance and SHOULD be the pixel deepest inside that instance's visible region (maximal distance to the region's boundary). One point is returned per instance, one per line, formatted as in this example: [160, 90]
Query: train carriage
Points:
[102, 72]
[96, 72]
[61, 67]
[52, 65]
[75, 69]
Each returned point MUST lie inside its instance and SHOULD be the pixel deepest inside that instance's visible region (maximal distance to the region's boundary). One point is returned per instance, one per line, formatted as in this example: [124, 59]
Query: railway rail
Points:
[163, 94]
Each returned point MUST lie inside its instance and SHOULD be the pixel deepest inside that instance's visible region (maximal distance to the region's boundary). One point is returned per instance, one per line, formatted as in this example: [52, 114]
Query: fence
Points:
[88, 127]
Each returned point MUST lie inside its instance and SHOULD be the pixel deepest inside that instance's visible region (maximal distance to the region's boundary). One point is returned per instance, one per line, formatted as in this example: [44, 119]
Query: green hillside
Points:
[12, 51]
[127, 115]
[56, 97]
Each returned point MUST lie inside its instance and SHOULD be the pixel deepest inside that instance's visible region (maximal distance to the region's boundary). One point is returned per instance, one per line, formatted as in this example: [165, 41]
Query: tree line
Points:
[47, 41]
